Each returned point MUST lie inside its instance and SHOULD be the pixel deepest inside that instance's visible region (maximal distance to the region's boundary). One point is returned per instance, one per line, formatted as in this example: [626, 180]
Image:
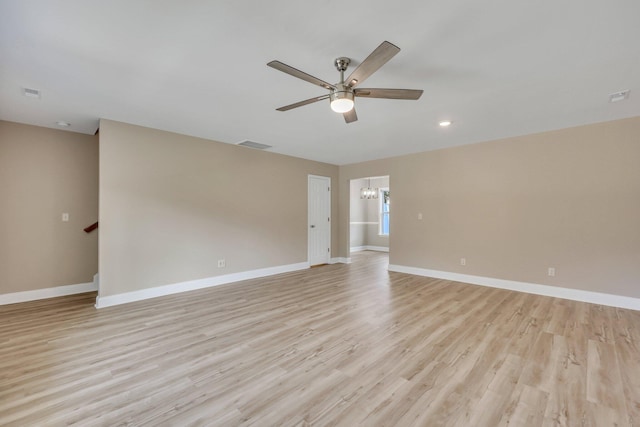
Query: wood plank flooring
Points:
[339, 345]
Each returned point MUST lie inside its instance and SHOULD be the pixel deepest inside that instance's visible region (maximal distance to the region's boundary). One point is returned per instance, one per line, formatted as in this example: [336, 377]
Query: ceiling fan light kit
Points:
[341, 99]
[342, 95]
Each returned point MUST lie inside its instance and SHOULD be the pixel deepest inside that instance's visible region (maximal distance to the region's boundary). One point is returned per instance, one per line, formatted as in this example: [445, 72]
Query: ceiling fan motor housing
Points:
[341, 99]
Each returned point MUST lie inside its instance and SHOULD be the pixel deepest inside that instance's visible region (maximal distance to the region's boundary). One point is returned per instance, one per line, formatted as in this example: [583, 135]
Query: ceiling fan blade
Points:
[370, 65]
[389, 93]
[350, 116]
[301, 103]
[300, 74]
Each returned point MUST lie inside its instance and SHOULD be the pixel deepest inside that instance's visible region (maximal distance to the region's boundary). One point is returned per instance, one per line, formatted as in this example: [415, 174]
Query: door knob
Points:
[313, 226]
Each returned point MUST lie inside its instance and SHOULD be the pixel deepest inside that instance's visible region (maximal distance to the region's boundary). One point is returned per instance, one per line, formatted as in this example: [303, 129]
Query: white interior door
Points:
[319, 223]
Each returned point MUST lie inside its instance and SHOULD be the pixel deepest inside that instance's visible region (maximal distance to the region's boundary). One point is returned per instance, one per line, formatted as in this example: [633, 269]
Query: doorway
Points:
[369, 212]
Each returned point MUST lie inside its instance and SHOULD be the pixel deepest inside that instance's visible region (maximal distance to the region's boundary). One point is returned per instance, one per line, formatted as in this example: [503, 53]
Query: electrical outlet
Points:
[221, 263]
[65, 217]
[551, 271]
[463, 261]
[420, 215]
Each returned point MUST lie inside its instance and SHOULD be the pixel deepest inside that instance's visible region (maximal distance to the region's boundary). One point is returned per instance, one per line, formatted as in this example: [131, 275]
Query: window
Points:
[384, 211]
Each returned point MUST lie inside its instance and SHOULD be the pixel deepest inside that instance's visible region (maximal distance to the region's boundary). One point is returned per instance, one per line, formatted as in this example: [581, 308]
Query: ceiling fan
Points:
[342, 94]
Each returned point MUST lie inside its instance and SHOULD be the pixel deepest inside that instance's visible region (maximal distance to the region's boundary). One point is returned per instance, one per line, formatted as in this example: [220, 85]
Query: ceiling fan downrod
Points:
[341, 65]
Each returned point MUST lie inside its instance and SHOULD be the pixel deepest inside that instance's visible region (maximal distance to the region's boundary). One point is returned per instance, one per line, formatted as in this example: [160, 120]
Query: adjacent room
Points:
[291, 214]
[370, 214]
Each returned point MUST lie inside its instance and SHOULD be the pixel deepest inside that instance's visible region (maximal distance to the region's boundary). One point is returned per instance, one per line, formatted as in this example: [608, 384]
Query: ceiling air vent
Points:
[31, 93]
[619, 96]
[256, 145]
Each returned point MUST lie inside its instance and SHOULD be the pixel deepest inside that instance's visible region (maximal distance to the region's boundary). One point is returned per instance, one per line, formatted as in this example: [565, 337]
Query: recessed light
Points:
[253, 144]
[63, 124]
[445, 123]
[619, 96]
[31, 93]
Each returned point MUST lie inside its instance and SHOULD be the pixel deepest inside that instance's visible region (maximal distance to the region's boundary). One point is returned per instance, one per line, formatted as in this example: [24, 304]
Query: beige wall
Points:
[567, 199]
[172, 205]
[43, 173]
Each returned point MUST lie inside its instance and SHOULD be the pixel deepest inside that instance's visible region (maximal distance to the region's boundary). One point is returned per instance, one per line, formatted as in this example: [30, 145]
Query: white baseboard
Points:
[192, 285]
[340, 260]
[530, 288]
[57, 291]
[369, 248]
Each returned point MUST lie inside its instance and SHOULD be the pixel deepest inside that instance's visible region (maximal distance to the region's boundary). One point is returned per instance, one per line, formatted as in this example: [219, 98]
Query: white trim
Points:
[381, 212]
[191, 285]
[340, 260]
[363, 223]
[56, 291]
[369, 248]
[530, 288]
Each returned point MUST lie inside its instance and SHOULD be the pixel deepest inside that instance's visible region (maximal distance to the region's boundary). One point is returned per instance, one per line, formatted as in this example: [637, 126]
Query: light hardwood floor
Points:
[336, 345]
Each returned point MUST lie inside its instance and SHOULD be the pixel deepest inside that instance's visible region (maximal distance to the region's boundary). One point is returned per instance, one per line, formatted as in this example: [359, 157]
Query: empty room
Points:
[287, 213]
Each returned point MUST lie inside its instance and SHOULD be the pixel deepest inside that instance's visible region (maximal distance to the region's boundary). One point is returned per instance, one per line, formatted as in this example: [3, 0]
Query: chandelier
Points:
[368, 192]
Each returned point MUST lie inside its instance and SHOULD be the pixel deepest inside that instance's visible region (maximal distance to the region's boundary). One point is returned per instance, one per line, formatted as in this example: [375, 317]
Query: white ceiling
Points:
[497, 68]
